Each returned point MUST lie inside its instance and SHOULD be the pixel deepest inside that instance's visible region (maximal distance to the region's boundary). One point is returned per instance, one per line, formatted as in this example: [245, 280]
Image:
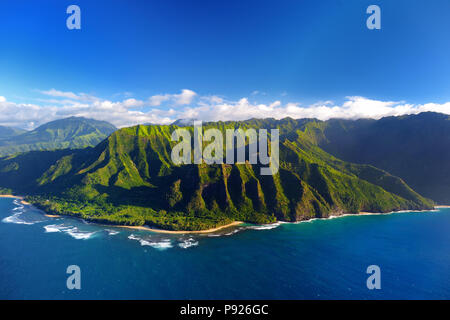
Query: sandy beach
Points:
[9, 196]
[22, 201]
[234, 223]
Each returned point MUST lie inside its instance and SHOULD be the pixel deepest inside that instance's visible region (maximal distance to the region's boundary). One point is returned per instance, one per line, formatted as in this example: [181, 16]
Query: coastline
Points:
[236, 223]
[22, 200]
[51, 215]
[232, 224]
[365, 213]
[10, 196]
[144, 228]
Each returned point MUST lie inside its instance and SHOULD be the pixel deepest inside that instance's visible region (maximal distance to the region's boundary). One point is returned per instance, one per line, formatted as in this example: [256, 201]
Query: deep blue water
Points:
[321, 259]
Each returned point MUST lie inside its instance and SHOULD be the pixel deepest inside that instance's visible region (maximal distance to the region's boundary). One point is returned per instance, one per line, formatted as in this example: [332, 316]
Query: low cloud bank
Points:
[166, 108]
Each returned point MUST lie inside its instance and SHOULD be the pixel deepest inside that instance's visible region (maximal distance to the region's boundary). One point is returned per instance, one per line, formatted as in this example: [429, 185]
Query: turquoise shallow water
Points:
[321, 259]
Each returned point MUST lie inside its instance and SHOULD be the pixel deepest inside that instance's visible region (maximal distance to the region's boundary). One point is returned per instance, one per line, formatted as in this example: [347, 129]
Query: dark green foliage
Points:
[415, 148]
[129, 178]
[5, 191]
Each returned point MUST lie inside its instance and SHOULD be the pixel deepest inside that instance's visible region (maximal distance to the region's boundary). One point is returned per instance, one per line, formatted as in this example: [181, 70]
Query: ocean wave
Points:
[53, 228]
[74, 232]
[188, 243]
[161, 244]
[15, 218]
[164, 244]
[233, 232]
[112, 232]
[265, 226]
[221, 233]
[79, 235]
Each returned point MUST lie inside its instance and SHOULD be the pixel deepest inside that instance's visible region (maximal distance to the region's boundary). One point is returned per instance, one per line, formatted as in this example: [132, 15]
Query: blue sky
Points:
[299, 52]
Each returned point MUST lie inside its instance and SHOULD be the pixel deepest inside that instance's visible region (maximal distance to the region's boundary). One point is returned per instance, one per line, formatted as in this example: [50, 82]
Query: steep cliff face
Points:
[414, 147]
[130, 178]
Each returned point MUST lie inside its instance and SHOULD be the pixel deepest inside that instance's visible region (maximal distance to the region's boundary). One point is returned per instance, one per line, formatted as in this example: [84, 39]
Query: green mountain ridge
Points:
[129, 178]
[414, 147]
[8, 132]
[73, 132]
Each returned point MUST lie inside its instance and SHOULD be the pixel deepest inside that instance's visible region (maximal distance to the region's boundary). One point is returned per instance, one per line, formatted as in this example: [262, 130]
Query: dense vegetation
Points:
[415, 148]
[129, 178]
[71, 133]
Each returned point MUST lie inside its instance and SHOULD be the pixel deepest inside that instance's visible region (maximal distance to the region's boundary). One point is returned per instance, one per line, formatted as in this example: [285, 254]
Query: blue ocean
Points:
[319, 259]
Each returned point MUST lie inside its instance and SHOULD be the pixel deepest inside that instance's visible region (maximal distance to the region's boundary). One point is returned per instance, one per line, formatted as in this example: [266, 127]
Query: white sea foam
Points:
[277, 224]
[53, 228]
[188, 243]
[74, 232]
[15, 218]
[112, 232]
[221, 234]
[362, 215]
[77, 234]
[232, 232]
[133, 237]
[265, 226]
[161, 244]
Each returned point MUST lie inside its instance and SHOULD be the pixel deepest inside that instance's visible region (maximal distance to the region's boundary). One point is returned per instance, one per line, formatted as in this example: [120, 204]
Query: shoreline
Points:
[232, 224]
[365, 213]
[144, 228]
[10, 196]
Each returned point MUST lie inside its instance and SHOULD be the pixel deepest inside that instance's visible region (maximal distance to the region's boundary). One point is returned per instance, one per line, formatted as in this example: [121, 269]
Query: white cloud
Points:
[158, 99]
[130, 103]
[62, 94]
[256, 92]
[166, 108]
[185, 97]
[212, 99]
[352, 108]
[67, 94]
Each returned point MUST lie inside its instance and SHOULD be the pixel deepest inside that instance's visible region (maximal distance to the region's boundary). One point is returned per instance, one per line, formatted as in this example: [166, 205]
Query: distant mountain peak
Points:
[184, 122]
[7, 132]
[71, 132]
